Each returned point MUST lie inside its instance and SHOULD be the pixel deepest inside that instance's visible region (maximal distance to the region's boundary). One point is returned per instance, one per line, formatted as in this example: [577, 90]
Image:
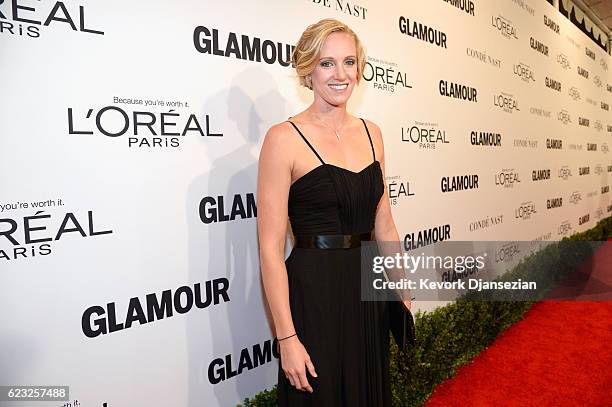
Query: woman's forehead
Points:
[338, 43]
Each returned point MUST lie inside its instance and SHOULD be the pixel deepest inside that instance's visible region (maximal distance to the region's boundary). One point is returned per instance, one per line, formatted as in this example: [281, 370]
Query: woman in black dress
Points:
[323, 170]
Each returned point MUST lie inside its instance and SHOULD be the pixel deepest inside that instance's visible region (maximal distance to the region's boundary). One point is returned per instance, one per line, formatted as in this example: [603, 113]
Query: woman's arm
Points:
[273, 183]
[384, 226]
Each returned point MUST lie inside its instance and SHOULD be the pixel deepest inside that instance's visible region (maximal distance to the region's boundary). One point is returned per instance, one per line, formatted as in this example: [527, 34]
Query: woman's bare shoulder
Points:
[375, 132]
[278, 141]
[372, 127]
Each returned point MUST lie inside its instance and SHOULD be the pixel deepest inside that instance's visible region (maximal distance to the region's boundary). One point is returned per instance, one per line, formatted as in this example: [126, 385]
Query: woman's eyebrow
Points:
[350, 56]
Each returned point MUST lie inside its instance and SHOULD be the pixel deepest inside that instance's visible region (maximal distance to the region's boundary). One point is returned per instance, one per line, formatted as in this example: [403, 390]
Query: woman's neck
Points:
[328, 113]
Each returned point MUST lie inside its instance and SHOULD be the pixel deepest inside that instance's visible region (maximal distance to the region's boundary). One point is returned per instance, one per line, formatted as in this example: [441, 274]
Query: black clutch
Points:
[401, 324]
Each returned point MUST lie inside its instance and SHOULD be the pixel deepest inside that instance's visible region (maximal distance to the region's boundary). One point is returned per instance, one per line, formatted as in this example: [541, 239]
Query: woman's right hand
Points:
[295, 360]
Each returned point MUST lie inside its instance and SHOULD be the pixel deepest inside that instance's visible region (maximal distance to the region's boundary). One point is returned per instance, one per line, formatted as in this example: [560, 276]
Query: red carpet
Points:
[560, 354]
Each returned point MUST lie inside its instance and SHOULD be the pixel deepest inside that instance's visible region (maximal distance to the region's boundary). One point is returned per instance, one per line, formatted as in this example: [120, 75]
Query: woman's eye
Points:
[350, 61]
[326, 64]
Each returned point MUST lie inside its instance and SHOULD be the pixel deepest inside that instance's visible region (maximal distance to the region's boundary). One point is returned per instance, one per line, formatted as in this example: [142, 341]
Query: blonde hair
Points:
[308, 48]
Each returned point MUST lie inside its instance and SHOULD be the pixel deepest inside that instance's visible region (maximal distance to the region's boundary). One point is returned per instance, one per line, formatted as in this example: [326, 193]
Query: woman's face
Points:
[335, 74]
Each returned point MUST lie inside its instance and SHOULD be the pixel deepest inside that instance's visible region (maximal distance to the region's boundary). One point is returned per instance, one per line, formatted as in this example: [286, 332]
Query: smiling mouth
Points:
[339, 86]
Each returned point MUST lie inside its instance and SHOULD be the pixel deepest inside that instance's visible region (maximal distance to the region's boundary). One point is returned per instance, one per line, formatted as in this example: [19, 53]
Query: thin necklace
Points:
[329, 127]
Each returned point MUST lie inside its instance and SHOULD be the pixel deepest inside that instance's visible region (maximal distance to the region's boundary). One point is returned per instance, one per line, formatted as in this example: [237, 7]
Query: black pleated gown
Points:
[347, 339]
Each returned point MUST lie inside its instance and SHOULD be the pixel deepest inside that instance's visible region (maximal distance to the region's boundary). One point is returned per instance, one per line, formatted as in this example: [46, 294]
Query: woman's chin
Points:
[338, 100]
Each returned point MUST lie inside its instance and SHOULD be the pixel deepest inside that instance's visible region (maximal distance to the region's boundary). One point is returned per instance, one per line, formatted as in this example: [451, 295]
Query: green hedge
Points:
[451, 336]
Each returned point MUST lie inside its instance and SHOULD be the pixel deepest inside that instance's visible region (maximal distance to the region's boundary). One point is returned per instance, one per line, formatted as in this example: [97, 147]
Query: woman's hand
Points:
[295, 361]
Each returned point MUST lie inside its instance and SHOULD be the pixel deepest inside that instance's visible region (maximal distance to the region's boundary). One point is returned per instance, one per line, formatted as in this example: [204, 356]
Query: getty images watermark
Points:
[455, 268]
[489, 271]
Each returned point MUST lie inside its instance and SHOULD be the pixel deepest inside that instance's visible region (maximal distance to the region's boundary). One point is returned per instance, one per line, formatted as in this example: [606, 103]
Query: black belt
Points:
[331, 241]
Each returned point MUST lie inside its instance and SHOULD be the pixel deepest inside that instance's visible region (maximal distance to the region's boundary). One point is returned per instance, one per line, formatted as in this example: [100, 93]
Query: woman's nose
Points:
[340, 72]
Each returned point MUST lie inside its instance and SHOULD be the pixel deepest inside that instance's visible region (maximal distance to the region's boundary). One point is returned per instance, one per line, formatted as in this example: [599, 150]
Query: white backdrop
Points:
[101, 203]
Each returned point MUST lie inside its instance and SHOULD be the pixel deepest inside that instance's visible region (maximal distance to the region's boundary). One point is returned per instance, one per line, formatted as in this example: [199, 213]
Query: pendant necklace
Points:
[329, 127]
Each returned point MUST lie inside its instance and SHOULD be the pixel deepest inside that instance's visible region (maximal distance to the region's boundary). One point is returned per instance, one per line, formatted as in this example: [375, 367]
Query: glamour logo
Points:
[583, 72]
[553, 203]
[605, 106]
[538, 111]
[583, 121]
[552, 84]
[584, 170]
[564, 228]
[427, 237]
[597, 81]
[504, 26]
[526, 143]
[564, 61]
[384, 78]
[554, 144]
[524, 72]
[591, 147]
[506, 102]
[605, 189]
[589, 53]
[101, 320]
[464, 5]
[28, 20]
[459, 183]
[507, 177]
[212, 209]
[548, 22]
[598, 126]
[224, 368]
[609, 128]
[564, 117]
[398, 189]
[457, 91]
[574, 93]
[353, 10]
[482, 138]
[525, 210]
[483, 56]
[425, 135]
[506, 252]
[452, 274]
[33, 235]
[244, 47]
[583, 219]
[538, 46]
[565, 172]
[609, 168]
[147, 129]
[422, 32]
[575, 197]
[540, 175]
[486, 222]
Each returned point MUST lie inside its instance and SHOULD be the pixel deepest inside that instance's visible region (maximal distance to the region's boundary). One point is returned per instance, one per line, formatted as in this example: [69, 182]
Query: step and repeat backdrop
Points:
[129, 139]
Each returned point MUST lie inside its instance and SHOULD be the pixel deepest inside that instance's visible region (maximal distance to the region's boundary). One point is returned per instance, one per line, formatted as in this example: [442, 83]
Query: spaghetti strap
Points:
[304, 138]
[370, 138]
